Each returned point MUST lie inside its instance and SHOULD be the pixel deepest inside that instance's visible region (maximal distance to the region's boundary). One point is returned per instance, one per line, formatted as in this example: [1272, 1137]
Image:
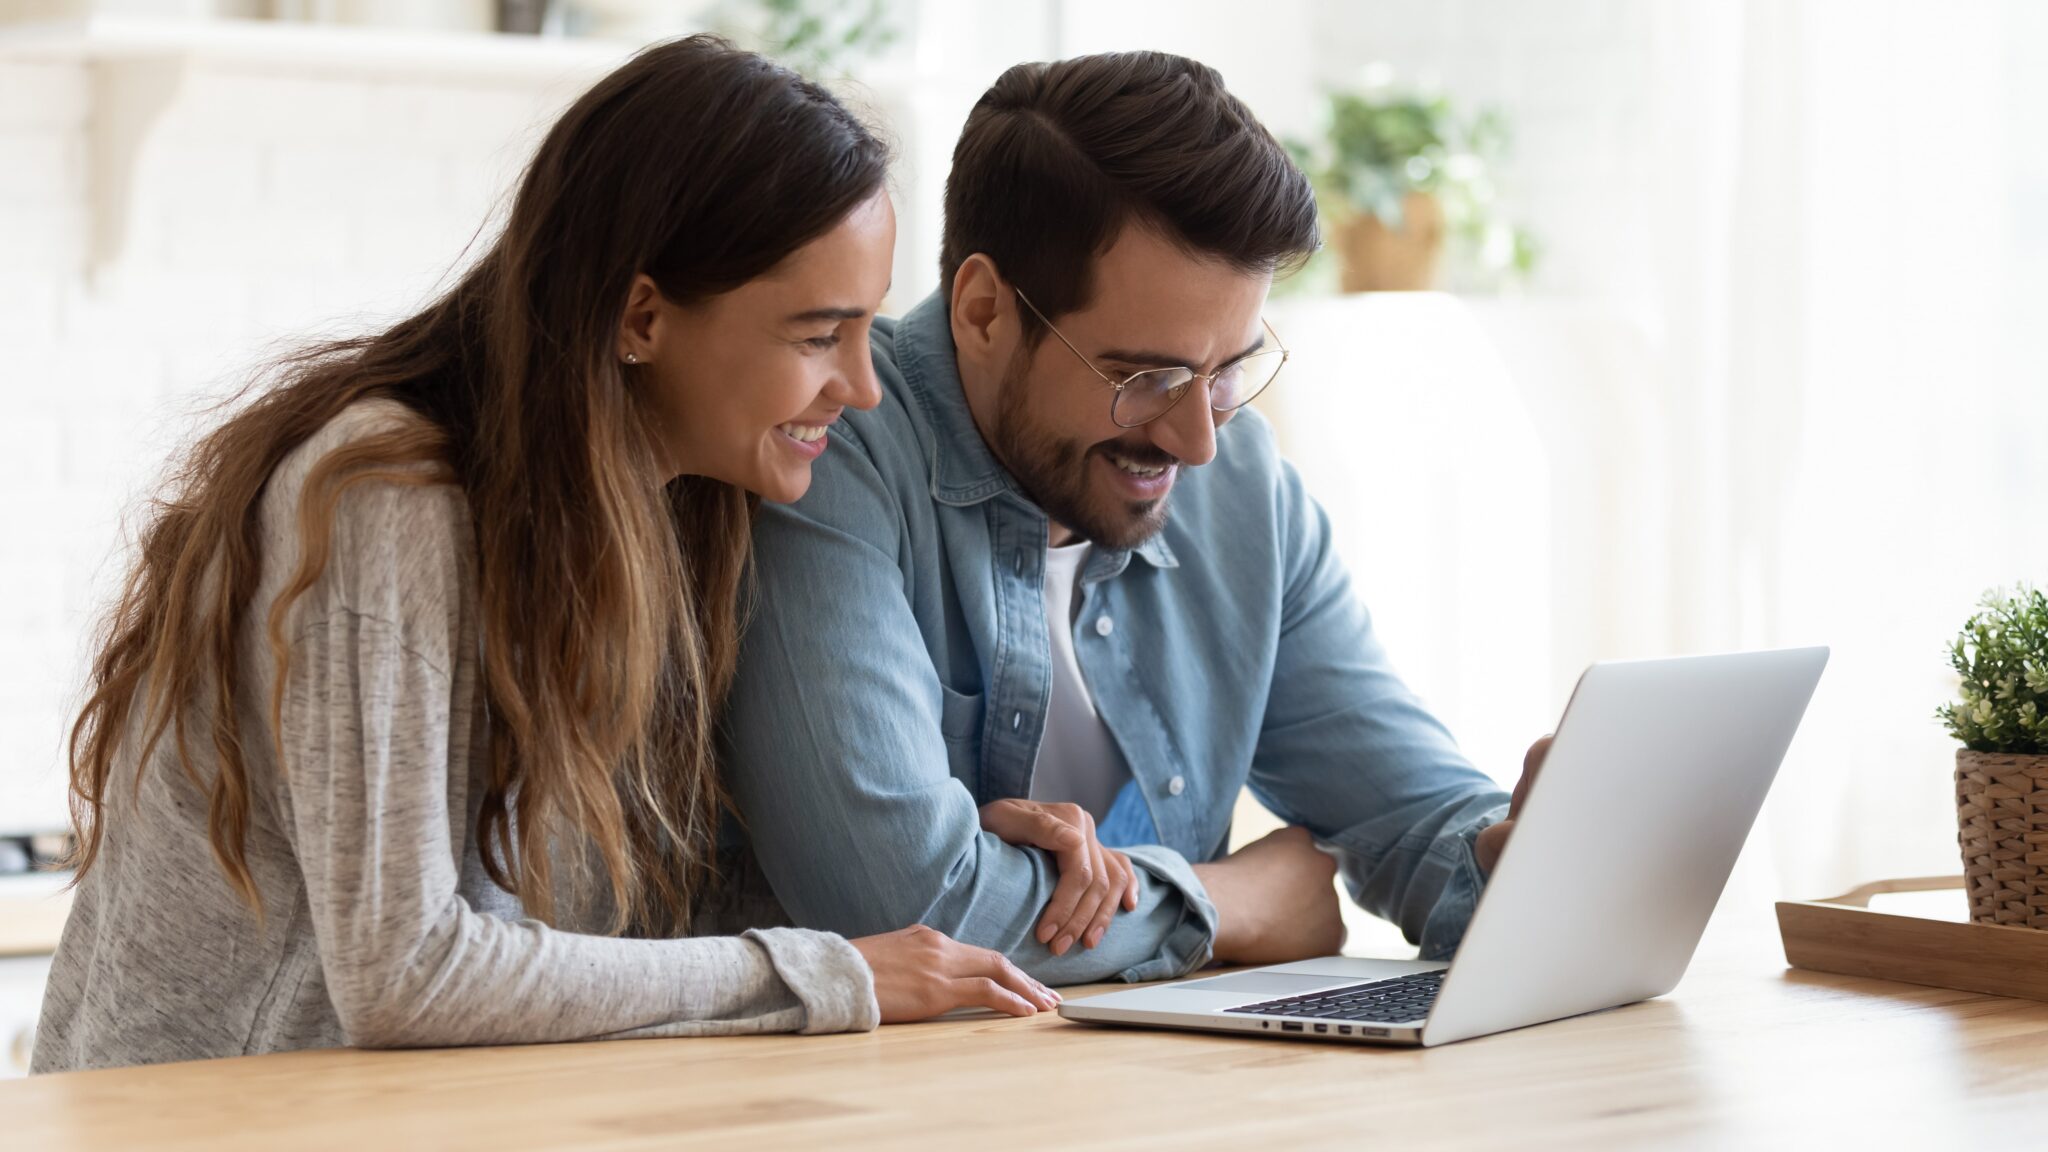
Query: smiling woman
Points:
[744, 384]
[446, 603]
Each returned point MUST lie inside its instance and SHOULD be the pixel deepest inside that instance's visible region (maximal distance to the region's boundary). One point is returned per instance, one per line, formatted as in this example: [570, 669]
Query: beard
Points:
[1057, 473]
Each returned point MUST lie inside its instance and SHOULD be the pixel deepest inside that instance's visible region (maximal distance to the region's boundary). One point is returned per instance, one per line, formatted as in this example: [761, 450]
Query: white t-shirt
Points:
[1078, 763]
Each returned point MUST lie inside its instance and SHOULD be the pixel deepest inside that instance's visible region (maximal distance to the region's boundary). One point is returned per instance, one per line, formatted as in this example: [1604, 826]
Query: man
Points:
[1062, 562]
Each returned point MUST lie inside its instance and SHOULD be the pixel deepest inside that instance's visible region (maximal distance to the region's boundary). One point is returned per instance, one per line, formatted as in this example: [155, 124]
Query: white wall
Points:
[164, 218]
[180, 199]
[53, 478]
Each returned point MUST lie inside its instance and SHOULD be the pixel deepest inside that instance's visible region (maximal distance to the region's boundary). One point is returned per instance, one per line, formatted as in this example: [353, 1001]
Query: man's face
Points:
[1154, 306]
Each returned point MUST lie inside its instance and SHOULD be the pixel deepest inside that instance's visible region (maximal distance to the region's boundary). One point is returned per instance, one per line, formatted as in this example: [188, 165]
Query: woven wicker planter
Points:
[2002, 827]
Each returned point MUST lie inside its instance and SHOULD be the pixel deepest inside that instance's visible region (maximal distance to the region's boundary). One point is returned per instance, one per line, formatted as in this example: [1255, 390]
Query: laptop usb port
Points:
[1343, 1029]
[1290, 1025]
[1322, 1027]
[1374, 1032]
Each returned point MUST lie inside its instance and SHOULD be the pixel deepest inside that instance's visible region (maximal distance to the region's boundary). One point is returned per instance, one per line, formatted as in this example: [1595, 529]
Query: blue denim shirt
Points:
[896, 669]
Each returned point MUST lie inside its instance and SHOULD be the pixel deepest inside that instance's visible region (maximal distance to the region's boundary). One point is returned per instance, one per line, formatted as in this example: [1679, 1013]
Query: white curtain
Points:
[1918, 470]
[1843, 234]
[1784, 381]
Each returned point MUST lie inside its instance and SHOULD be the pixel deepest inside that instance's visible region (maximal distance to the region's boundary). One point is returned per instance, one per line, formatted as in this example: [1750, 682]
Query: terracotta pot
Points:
[1380, 259]
[2002, 829]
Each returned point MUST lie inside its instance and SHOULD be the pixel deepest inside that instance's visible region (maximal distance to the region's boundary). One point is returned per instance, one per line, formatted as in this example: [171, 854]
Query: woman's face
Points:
[743, 385]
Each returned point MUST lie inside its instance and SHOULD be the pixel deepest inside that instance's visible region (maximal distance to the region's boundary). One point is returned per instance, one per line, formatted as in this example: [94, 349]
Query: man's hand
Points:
[1491, 840]
[1275, 899]
[1094, 881]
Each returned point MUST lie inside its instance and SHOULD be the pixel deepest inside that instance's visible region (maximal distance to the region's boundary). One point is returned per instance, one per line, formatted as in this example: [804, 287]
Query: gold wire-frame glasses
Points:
[1145, 396]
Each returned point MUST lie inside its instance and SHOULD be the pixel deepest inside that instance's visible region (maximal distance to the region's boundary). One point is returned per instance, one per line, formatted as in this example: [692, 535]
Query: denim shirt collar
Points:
[964, 471]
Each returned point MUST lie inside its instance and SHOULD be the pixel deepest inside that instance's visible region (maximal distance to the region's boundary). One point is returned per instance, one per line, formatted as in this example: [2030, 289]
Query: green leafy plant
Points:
[818, 38]
[2002, 657]
[1379, 147]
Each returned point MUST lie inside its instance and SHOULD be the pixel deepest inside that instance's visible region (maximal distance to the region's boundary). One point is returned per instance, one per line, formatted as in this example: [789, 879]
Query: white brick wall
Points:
[42, 119]
[260, 205]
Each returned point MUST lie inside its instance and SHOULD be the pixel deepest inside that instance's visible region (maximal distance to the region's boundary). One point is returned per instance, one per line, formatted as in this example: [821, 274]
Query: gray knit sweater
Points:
[381, 928]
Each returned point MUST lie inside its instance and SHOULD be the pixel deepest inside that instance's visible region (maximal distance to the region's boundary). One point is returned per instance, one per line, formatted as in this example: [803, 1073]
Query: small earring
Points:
[632, 359]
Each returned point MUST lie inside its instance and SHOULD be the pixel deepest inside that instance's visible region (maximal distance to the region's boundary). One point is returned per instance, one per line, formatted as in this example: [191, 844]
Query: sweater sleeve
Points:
[409, 963]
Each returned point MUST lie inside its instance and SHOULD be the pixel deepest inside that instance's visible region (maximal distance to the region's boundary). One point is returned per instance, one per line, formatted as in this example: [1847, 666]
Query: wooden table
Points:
[1745, 1054]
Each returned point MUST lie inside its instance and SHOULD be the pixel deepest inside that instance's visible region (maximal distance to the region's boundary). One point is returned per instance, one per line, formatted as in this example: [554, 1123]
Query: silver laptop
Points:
[1620, 852]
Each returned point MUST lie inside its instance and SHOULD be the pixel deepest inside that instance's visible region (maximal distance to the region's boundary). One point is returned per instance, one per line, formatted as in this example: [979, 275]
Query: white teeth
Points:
[805, 433]
[1141, 471]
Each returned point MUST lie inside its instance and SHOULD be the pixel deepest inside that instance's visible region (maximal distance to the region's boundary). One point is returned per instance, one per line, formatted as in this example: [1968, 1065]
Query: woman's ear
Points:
[641, 327]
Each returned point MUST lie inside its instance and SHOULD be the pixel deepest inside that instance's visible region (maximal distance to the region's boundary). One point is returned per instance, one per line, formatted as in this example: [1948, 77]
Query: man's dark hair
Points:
[1056, 159]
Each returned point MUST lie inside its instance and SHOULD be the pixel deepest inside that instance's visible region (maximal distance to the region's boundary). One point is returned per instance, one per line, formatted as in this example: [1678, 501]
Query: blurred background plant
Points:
[1405, 179]
[822, 39]
[2002, 657]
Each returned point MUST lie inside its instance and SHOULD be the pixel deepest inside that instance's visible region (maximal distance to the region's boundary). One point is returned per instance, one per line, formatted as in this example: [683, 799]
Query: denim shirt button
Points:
[1104, 625]
[1176, 786]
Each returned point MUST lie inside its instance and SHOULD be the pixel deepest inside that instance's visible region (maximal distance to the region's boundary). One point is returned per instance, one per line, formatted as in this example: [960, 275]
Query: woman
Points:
[417, 669]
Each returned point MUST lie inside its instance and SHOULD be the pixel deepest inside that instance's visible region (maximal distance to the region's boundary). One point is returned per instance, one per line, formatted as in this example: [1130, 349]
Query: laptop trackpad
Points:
[1261, 983]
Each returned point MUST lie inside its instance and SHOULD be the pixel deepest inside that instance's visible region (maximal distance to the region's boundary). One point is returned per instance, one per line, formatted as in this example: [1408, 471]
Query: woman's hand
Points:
[921, 972]
[1094, 881]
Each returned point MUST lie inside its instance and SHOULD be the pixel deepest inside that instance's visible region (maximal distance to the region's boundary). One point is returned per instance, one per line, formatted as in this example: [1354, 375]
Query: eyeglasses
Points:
[1143, 397]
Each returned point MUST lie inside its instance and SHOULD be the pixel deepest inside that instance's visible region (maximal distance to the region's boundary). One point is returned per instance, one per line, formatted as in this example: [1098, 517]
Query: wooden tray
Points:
[1844, 935]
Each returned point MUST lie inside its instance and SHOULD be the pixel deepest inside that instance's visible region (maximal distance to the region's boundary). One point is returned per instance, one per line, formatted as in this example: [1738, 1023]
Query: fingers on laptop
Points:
[1532, 763]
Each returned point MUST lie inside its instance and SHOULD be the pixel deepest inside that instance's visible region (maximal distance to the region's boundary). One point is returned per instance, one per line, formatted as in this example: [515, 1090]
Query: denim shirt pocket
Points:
[960, 723]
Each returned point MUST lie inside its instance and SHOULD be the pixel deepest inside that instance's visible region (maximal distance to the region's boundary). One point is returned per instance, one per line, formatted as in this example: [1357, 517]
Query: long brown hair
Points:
[609, 602]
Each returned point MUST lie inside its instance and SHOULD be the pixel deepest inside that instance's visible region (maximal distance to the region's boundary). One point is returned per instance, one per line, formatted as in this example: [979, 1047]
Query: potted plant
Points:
[820, 38]
[1399, 176]
[2002, 767]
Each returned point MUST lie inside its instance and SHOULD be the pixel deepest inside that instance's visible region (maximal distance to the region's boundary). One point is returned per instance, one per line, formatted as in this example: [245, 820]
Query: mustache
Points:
[1143, 455]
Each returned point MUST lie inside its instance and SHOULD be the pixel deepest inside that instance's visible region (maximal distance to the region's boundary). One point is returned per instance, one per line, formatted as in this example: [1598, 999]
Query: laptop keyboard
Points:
[1382, 1001]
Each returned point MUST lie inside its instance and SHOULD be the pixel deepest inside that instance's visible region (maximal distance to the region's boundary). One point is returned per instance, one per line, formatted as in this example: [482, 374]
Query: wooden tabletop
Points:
[1745, 1054]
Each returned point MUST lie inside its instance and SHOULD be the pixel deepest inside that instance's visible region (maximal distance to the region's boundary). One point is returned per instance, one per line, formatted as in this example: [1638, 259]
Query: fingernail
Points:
[1045, 932]
[1064, 943]
[1094, 937]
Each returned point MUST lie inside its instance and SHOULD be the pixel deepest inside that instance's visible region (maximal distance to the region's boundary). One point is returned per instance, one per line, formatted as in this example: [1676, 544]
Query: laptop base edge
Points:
[1274, 1027]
